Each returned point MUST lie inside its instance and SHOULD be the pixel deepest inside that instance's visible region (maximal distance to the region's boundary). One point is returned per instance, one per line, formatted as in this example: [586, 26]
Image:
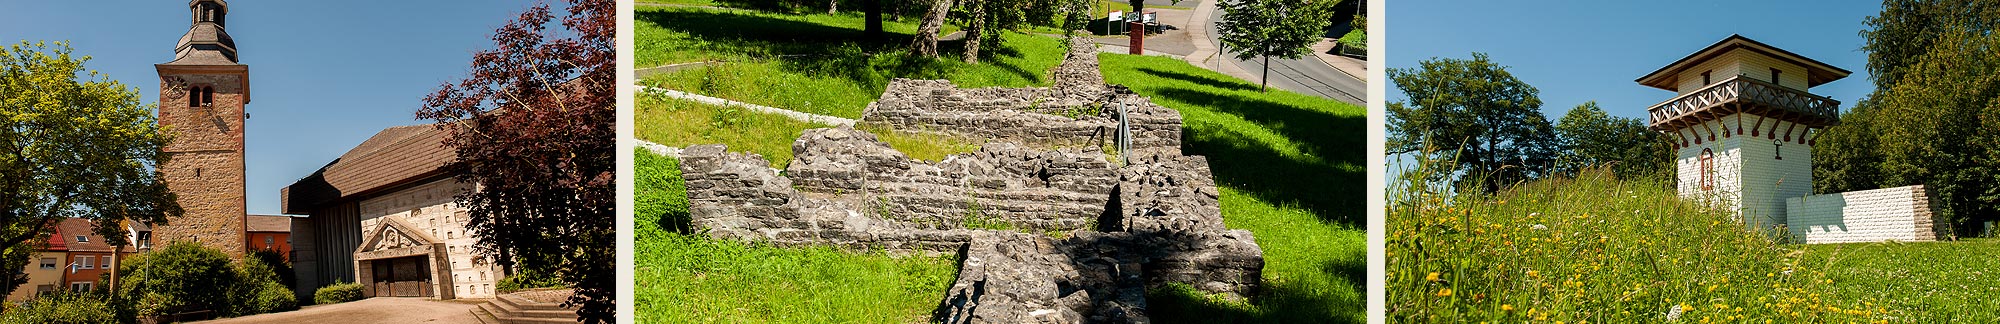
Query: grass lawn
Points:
[1936, 282]
[1600, 250]
[675, 122]
[815, 63]
[1290, 169]
[690, 278]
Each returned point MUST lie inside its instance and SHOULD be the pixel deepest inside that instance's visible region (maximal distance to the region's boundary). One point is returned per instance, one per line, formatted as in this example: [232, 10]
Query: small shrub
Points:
[529, 279]
[339, 292]
[267, 298]
[259, 286]
[62, 308]
[177, 278]
[1355, 39]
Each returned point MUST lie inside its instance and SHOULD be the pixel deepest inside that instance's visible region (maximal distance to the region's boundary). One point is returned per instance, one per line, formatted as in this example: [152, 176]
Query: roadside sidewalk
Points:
[1354, 67]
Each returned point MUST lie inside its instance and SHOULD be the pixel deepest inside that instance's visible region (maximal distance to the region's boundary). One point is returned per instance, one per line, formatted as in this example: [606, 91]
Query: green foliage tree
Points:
[1266, 28]
[1485, 122]
[73, 143]
[1591, 138]
[1932, 119]
[925, 44]
[534, 128]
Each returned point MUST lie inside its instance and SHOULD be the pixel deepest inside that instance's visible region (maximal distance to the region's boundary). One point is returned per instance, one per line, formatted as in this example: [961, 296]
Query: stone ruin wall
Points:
[1160, 221]
[1078, 111]
[1079, 240]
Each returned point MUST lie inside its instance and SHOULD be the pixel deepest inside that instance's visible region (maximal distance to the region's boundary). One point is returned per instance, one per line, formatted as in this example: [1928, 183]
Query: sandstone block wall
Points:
[204, 166]
[1889, 214]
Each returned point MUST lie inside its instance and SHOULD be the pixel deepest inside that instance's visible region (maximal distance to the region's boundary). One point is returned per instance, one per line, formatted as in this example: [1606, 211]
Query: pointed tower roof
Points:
[206, 43]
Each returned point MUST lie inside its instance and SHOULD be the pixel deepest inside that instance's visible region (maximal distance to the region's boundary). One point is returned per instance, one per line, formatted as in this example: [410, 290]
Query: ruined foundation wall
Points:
[1079, 111]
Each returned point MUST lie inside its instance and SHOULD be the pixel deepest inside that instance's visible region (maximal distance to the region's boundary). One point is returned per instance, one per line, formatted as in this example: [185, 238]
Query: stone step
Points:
[501, 307]
[519, 302]
[484, 317]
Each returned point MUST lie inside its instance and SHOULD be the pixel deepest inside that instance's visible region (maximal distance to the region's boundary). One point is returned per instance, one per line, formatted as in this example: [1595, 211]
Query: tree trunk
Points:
[873, 8]
[1138, 6]
[925, 44]
[832, 6]
[1265, 85]
[975, 34]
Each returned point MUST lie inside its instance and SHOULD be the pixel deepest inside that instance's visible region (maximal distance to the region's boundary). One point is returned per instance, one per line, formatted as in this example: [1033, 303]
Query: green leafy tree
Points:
[1592, 138]
[926, 42]
[1932, 118]
[1266, 28]
[73, 143]
[1477, 116]
[1845, 157]
[533, 127]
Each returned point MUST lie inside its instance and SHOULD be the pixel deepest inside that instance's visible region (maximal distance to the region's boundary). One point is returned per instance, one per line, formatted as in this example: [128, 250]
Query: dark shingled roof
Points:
[267, 223]
[393, 156]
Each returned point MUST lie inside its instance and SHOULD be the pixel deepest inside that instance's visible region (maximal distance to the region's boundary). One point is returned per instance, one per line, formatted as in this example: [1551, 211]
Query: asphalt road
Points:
[1307, 75]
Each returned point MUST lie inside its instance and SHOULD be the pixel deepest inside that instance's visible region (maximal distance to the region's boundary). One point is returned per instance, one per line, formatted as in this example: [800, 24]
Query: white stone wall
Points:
[1720, 68]
[430, 208]
[1751, 175]
[1898, 214]
[1747, 64]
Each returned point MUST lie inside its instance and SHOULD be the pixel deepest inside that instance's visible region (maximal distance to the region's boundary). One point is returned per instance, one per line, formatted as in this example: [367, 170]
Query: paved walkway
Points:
[372, 310]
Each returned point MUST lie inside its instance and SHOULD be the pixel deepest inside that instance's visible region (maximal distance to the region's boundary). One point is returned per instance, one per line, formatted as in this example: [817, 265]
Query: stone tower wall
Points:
[204, 166]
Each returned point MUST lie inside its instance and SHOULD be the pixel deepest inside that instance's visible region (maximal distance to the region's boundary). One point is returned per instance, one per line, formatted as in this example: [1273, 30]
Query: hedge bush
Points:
[177, 278]
[259, 288]
[63, 308]
[339, 292]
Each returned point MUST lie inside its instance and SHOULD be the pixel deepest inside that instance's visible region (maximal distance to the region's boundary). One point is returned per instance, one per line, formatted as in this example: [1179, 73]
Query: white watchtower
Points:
[1743, 125]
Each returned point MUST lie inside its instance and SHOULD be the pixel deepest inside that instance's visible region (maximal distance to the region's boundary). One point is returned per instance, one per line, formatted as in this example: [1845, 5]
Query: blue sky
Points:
[1577, 51]
[324, 75]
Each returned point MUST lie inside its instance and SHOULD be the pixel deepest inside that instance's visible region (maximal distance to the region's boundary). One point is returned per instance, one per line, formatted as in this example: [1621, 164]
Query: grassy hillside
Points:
[1600, 250]
[817, 63]
[1290, 170]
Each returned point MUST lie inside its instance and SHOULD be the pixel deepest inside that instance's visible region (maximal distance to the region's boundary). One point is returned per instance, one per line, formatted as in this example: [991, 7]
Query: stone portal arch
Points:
[396, 260]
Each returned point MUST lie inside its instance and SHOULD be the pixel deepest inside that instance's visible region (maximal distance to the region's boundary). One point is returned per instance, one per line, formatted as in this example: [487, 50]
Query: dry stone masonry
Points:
[1048, 229]
[1079, 111]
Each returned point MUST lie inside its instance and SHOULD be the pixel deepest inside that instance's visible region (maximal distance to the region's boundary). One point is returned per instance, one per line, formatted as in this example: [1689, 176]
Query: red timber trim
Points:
[1739, 123]
[1788, 131]
[1760, 125]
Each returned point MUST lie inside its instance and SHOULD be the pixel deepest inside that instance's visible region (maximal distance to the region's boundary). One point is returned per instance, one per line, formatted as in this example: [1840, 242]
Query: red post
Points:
[1138, 37]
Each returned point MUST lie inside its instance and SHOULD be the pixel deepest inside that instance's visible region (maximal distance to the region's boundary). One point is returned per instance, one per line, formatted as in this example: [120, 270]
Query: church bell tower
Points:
[203, 92]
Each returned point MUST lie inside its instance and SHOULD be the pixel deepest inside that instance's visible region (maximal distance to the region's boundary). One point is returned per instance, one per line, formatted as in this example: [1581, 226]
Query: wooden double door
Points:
[402, 277]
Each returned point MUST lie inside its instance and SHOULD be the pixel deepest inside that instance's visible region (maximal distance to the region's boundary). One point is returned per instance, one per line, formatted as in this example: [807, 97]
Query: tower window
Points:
[1774, 76]
[1707, 169]
[207, 96]
[194, 96]
[1704, 78]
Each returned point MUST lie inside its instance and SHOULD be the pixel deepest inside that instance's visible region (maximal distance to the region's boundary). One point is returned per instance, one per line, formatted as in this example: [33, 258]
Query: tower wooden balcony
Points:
[1741, 94]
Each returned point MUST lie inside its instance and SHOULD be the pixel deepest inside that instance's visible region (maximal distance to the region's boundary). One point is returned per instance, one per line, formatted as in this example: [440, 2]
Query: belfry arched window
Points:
[207, 96]
[1707, 169]
[194, 96]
